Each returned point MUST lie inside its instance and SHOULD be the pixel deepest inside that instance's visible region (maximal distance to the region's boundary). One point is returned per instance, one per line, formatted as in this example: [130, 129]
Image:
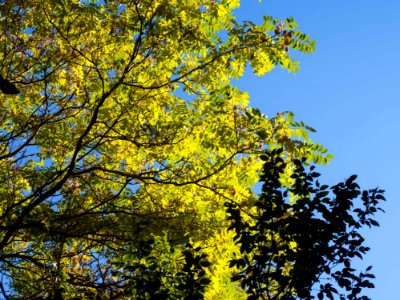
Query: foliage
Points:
[127, 129]
[161, 272]
[299, 235]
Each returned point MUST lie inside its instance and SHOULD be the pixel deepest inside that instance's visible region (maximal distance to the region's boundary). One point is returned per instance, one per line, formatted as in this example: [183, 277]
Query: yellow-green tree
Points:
[127, 129]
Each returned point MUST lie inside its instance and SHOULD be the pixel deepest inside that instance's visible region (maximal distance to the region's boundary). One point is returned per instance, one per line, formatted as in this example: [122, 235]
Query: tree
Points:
[126, 140]
[302, 234]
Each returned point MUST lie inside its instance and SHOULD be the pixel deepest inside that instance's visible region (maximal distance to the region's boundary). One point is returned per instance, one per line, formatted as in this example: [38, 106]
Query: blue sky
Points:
[349, 91]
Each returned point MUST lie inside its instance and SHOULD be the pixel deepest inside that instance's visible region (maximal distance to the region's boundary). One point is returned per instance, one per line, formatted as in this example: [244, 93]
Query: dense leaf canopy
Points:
[126, 139]
[303, 234]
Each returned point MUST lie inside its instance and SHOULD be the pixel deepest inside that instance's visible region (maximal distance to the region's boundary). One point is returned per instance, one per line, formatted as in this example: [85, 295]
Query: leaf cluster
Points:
[303, 234]
[151, 276]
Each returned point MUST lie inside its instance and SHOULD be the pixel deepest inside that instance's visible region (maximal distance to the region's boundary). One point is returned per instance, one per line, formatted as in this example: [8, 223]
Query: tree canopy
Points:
[122, 139]
[303, 234]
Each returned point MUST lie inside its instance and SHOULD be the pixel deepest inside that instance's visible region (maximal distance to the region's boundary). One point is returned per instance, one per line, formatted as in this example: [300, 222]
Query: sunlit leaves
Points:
[127, 116]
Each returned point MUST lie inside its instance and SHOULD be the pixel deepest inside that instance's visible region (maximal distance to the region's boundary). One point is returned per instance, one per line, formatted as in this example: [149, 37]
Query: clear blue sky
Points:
[349, 91]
